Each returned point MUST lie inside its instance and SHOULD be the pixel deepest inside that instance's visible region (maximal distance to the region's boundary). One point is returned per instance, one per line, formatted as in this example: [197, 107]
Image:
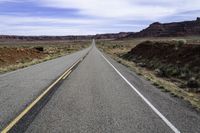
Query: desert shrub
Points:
[196, 69]
[24, 60]
[141, 64]
[183, 75]
[39, 48]
[181, 42]
[161, 87]
[155, 84]
[193, 83]
[159, 72]
[175, 71]
[113, 46]
[168, 71]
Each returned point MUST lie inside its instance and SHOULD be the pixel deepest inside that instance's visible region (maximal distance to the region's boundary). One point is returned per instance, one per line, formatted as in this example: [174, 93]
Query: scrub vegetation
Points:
[170, 64]
[20, 54]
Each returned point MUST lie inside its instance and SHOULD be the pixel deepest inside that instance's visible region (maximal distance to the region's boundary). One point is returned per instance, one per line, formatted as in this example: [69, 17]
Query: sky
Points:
[88, 17]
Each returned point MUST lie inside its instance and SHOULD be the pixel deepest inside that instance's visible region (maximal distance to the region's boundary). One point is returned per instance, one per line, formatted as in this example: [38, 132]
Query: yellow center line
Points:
[67, 74]
[28, 108]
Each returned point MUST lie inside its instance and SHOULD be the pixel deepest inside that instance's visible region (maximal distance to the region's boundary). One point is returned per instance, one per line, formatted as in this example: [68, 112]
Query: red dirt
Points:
[168, 53]
[12, 56]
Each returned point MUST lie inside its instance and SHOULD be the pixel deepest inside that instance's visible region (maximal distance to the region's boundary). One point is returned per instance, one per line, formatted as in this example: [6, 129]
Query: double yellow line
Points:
[30, 106]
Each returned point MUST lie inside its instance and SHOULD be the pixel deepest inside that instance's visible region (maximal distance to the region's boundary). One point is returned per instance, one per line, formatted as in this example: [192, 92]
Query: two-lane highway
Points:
[96, 98]
[102, 95]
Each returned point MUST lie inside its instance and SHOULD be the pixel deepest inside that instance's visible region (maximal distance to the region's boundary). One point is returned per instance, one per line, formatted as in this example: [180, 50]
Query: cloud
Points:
[58, 30]
[43, 25]
[59, 26]
[8, 19]
[111, 8]
[137, 9]
[90, 16]
[42, 30]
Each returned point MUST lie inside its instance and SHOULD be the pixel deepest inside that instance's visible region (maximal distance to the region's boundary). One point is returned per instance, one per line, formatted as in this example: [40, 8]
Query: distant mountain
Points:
[81, 37]
[43, 38]
[113, 35]
[186, 28]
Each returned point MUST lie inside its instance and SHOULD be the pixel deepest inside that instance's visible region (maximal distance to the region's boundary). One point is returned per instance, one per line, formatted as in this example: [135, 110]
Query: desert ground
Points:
[15, 54]
[172, 64]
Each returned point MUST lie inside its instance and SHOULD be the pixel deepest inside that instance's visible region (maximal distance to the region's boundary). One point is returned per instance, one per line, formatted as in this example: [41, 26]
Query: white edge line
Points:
[145, 99]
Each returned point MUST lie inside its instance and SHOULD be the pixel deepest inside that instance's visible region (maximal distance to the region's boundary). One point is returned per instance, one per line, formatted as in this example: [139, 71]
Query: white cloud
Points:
[42, 30]
[137, 9]
[56, 30]
[58, 26]
[5, 19]
[111, 8]
[105, 16]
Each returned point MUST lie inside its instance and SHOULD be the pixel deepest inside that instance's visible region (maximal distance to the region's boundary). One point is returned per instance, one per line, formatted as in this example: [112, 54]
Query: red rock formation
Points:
[186, 28]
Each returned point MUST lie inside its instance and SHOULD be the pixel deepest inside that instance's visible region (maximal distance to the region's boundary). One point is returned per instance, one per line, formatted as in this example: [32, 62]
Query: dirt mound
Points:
[11, 56]
[171, 59]
[174, 53]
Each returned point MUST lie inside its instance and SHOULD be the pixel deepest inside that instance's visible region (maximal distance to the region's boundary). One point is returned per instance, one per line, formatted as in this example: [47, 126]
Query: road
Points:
[102, 95]
[19, 88]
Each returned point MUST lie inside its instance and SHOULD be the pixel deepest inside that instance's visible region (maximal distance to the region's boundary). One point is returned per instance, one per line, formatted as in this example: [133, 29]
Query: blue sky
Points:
[81, 17]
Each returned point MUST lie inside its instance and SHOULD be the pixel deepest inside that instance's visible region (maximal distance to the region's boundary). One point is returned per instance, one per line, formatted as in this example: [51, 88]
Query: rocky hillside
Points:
[186, 28]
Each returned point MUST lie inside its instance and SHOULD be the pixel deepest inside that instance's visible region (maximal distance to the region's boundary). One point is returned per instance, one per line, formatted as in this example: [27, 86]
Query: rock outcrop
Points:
[186, 28]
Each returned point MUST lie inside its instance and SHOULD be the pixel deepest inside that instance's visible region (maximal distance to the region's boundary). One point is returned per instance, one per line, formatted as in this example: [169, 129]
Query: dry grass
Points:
[52, 50]
[117, 48]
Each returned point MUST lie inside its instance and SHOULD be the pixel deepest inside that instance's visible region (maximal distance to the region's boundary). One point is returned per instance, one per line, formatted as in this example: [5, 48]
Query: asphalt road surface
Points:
[19, 88]
[102, 95]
